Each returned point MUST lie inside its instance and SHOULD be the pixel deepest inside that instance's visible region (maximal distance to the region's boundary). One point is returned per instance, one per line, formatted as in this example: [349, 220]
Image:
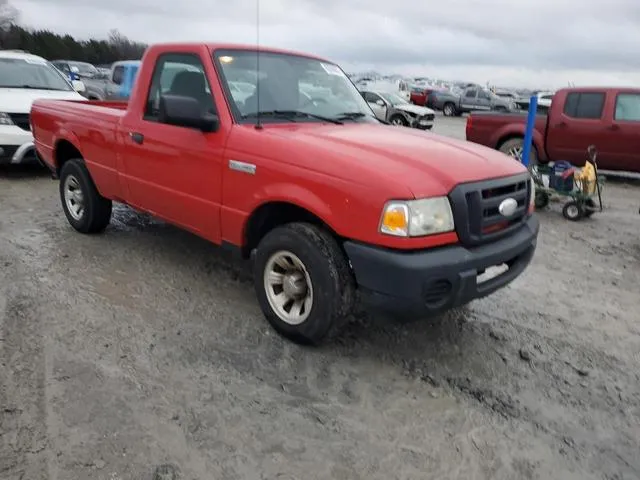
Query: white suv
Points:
[25, 78]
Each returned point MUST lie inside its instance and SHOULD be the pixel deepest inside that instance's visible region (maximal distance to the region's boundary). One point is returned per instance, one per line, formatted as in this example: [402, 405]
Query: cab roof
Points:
[235, 46]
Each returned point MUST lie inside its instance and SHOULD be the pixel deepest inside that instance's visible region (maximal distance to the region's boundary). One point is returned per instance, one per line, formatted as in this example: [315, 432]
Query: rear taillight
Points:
[468, 127]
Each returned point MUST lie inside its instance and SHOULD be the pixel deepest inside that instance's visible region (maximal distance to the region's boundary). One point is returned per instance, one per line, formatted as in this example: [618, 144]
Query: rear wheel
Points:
[303, 282]
[449, 109]
[590, 207]
[86, 210]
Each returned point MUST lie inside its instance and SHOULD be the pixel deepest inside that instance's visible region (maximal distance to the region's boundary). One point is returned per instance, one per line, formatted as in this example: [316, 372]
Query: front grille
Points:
[475, 208]
[21, 120]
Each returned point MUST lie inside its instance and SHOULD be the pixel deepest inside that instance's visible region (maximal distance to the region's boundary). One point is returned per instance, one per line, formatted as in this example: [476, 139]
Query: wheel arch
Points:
[63, 151]
[275, 213]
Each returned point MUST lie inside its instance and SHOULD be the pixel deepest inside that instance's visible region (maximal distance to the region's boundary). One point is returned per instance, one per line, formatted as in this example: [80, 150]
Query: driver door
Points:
[175, 172]
[377, 104]
[469, 99]
[483, 102]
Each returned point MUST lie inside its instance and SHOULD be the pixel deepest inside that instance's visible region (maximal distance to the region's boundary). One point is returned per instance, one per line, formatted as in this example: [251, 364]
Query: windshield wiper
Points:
[354, 115]
[350, 115]
[291, 115]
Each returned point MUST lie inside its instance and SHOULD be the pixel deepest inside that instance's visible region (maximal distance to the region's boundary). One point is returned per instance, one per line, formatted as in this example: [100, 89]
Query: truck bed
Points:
[491, 129]
[93, 124]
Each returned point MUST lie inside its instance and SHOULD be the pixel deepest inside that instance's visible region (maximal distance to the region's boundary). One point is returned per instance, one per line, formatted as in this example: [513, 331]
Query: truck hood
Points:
[426, 163]
[19, 100]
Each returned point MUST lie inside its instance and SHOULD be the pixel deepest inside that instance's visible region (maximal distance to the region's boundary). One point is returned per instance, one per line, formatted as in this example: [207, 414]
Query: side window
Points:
[118, 75]
[483, 95]
[470, 94]
[178, 74]
[584, 105]
[627, 107]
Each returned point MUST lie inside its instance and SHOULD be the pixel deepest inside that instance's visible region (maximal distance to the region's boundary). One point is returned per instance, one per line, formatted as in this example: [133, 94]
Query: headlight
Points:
[5, 119]
[416, 218]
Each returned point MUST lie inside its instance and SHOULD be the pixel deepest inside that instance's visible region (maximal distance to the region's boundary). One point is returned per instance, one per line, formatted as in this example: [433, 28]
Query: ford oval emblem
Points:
[507, 207]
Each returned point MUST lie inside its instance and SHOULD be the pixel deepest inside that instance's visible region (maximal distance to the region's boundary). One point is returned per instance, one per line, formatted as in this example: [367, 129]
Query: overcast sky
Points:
[505, 42]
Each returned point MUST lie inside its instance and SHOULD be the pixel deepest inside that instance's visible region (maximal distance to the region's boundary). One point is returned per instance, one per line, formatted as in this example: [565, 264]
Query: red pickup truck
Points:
[287, 164]
[608, 118]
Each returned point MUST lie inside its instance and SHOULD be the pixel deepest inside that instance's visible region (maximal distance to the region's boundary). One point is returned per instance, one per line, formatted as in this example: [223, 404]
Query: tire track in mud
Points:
[24, 438]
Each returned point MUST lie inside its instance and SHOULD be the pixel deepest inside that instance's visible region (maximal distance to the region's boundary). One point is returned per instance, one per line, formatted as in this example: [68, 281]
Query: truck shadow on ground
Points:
[24, 171]
[486, 353]
[443, 351]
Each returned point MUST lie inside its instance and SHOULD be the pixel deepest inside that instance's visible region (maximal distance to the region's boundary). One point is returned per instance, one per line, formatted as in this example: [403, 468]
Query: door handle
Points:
[614, 127]
[137, 137]
[561, 125]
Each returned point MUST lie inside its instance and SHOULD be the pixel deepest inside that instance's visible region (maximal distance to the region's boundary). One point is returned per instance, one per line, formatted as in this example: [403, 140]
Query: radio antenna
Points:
[258, 124]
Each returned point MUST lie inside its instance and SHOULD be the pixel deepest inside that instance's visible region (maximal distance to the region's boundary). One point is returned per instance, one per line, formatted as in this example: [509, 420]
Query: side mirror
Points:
[78, 86]
[380, 102]
[183, 111]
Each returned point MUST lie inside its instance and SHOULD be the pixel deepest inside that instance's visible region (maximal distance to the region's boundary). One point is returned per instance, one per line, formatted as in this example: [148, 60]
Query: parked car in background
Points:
[608, 118]
[471, 99]
[394, 109]
[418, 95]
[73, 69]
[445, 101]
[23, 79]
[331, 205]
[114, 85]
[544, 101]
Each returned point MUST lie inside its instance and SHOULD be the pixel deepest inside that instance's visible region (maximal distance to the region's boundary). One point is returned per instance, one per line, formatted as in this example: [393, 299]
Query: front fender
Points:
[297, 195]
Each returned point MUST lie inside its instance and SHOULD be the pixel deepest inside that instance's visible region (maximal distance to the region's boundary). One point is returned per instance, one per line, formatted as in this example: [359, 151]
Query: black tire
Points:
[333, 286]
[96, 213]
[573, 211]
[449, 109]
[541, 200]
[590, 207]
[401, 121]
[513, 144]
[500, 109]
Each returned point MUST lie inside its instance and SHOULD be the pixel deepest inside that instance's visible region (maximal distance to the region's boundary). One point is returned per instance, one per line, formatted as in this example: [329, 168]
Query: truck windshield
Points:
[289, 83]
[31, 73]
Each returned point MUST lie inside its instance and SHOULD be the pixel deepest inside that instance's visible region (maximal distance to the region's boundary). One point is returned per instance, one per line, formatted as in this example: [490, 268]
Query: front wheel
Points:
[86, 210]
[541, 200]
[399, 121]
[303, 282]
[573, 211]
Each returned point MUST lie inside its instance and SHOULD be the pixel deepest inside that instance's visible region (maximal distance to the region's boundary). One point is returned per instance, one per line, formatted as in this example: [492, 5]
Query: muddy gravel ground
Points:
[141, 354]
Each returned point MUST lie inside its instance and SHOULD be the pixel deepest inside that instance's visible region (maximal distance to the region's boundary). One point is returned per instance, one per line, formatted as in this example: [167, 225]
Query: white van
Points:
[23, 79]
